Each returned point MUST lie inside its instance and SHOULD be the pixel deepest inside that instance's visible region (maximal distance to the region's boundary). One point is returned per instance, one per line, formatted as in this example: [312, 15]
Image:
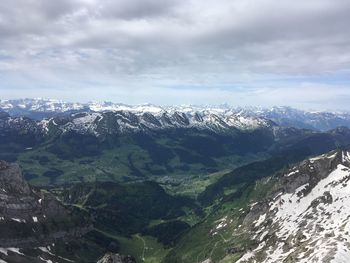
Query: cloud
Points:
[135, 9]
[154, 44]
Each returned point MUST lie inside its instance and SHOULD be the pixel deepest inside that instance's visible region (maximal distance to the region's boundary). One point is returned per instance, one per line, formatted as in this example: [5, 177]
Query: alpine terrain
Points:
[118, 183]
[152, 131]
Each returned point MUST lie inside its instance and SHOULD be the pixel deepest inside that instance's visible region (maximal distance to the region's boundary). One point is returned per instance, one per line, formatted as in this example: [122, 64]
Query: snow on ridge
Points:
[124, 118]
[86, 119]
[293, 211]
[138, 109]
[50, 105]
[135, 121]
[311, 226]
[250, 116]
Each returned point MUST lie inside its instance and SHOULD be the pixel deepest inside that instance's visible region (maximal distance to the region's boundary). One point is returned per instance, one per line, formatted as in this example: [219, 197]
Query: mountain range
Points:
[118, 183]
[283, 116]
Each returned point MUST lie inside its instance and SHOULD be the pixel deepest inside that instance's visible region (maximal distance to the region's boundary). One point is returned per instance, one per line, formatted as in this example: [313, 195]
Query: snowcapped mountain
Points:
[125, 121]
[283, 116]
[307, 217]
[290, 117]
[21, 106]
[39, 105]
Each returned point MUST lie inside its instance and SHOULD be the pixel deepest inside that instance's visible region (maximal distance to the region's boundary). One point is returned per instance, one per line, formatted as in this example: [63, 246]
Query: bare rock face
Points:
[11, 180]
[3, 165]
[116, 258]
[29, 217]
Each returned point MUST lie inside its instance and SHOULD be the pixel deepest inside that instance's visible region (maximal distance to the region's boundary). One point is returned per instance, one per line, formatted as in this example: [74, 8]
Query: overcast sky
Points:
[241, 52]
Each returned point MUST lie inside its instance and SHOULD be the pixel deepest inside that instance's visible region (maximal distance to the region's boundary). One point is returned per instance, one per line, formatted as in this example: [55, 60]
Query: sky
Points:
[240, 52]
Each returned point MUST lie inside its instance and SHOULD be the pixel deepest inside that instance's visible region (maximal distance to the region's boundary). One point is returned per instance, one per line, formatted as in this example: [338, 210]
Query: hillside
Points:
[168, 186]
[297, 214]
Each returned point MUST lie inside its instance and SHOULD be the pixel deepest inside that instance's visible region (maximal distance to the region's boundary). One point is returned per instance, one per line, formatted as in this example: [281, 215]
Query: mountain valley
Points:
[147, 185]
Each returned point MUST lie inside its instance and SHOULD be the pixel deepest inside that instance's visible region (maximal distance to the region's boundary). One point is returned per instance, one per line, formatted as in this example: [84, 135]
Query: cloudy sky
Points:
[241, 52]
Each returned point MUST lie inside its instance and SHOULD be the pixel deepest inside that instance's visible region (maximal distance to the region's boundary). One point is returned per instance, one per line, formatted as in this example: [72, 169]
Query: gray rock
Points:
[29, 217]
[116, 258]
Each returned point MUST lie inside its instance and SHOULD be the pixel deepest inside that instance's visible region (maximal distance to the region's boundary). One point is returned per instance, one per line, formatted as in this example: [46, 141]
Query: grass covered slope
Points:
[128, 208]
[220, 236]
[216, 237]
[165, 156]
[142, 219]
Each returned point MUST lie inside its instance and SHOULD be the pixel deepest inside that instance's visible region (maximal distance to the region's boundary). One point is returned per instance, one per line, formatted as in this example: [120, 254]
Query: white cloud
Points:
[142, 46]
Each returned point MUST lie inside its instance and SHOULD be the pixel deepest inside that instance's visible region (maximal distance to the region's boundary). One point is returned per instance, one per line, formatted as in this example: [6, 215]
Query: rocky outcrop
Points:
[116, 258]
[29, 217]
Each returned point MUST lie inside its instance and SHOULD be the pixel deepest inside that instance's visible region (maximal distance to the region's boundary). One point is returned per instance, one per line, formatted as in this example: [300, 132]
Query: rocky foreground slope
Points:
[35, 227]
[307, 218]
[30, 218]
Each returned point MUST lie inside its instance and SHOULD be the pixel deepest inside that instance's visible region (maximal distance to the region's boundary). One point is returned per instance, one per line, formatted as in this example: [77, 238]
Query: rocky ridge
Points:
[307, 218]
[121, 122]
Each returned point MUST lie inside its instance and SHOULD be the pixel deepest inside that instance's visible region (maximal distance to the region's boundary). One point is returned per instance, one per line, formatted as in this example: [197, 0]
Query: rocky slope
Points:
[306, 218]
[31, 221]
[297, 213]
[116, 258]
